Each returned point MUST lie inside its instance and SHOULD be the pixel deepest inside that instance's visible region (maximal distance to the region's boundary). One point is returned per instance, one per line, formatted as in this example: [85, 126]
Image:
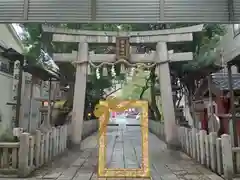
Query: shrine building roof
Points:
[221, 81]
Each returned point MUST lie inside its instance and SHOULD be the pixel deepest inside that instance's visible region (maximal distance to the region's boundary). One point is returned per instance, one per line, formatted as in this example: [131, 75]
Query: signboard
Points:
[122, 48]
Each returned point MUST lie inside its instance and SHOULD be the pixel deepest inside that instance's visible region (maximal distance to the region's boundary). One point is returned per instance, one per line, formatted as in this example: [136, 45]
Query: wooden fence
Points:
[214, 152]
[21, 158]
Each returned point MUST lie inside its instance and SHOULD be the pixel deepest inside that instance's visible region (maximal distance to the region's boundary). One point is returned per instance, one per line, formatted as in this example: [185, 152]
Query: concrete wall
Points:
[6, 96]
[157, 128]
[10, 39]
[6, 81]
[34, 116]
[89, 127]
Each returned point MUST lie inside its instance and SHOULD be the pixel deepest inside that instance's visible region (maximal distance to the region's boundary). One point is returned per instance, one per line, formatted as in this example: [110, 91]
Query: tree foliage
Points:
[137, 86]
[142, 85]
[203, 47]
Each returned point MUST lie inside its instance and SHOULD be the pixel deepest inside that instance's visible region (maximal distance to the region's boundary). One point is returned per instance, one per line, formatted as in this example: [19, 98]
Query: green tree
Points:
[203, 47]
[137, 85]
[204, 63]
[35, 39]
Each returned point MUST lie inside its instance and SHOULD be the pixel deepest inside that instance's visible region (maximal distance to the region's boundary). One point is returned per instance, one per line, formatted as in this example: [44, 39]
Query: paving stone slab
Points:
[70, 172]
[174, 167]
[79, 162]
[180, 173]
[164, 164]
[214, 176]
[94, 177]
[85, 154]
[52, 175]
[169, 177]
[193, 170]
[83, 176]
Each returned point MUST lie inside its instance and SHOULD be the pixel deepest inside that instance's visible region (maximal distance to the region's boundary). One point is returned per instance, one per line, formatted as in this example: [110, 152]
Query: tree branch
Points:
[112, 92]
[144, 88]
[154, 106]
[137, 85]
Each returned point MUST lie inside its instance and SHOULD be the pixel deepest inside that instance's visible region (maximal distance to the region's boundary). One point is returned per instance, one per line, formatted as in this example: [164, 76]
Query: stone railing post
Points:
[212, 139]
[202, 133]
[37, 147]
[46, 147]
[227, 156]
[194, 144]
[23, 154]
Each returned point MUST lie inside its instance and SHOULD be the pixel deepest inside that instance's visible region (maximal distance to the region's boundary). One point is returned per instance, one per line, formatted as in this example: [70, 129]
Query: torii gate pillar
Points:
[79, 93]
[166, 95]
[161, 57]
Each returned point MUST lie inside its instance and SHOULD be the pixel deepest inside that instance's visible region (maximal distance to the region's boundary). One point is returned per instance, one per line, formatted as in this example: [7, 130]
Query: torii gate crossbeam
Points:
[83, 59]
[120, 11]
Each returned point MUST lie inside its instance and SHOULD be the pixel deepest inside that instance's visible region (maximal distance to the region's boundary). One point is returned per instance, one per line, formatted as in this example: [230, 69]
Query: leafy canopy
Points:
[203, 47]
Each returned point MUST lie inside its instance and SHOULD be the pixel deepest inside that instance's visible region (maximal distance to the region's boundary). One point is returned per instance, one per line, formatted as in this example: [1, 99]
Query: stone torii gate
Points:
[123, 40]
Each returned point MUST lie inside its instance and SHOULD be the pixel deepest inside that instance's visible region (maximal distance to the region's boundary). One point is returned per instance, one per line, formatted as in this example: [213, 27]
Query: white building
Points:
[230, 45]
[10, 39]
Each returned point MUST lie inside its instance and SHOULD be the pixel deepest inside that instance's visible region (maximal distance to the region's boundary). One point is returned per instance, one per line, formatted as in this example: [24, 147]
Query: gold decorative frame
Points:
[142, 172]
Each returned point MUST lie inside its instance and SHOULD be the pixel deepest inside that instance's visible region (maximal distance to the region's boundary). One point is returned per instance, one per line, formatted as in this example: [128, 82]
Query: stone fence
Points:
[157, 128]
[89, 127]
[216, 153]
[19, 159]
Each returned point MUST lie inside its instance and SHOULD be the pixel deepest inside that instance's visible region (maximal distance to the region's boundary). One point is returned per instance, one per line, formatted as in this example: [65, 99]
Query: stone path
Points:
[165, 164]
[124, 147]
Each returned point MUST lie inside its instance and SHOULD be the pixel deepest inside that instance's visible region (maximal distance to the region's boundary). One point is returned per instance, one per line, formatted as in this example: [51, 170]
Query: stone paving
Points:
[124, 147]
[81, 164]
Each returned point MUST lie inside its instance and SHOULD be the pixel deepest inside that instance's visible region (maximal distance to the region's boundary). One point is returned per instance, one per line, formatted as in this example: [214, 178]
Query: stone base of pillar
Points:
[73, 146]
[173, 146]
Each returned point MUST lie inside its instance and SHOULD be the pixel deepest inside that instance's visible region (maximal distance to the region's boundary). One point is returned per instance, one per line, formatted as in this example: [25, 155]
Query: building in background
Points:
[229, 45]
[10, 39]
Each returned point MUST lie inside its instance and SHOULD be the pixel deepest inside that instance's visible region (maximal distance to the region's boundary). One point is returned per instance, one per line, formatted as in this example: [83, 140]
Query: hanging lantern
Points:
[97, 74]
[137, 39]
[113, 71]
[105, 71]
[157, 70]
[132, 70]
[89, 70]
[123, 69]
